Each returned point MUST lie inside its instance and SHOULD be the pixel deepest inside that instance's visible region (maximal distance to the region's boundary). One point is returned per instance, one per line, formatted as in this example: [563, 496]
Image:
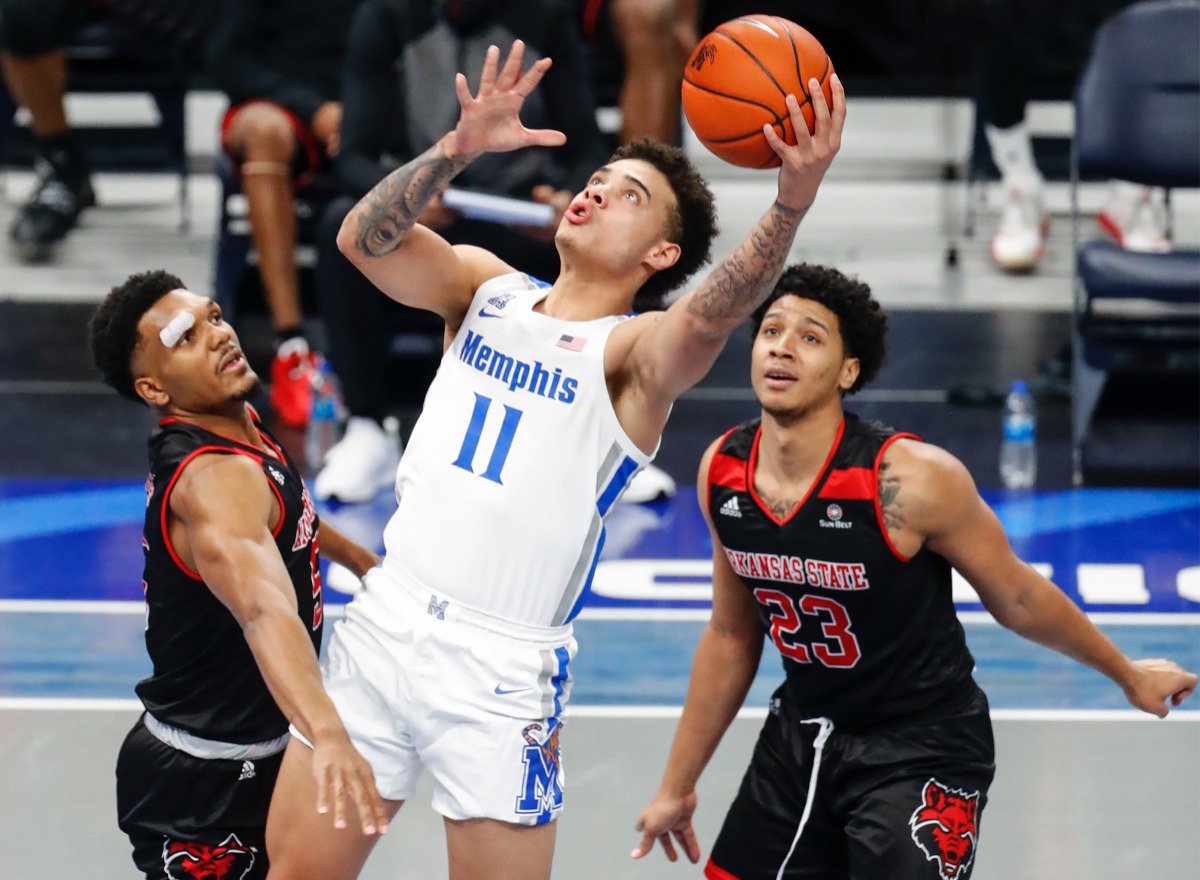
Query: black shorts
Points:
[184, 815]
[901, 803]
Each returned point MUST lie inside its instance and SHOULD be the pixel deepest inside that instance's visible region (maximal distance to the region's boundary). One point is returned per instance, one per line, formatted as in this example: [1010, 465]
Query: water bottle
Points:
[1018, 453]
[323, 416]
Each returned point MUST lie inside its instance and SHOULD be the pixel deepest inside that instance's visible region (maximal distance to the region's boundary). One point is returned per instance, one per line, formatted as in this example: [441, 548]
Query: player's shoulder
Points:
[924, 470]
[221, 477]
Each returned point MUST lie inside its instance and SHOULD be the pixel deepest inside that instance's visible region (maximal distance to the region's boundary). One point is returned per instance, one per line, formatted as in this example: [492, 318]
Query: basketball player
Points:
[233, 599]
[836, 537]
[455, 658]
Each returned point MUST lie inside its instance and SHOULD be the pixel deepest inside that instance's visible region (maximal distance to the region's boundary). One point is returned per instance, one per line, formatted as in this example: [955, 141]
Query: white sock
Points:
[1012, 151]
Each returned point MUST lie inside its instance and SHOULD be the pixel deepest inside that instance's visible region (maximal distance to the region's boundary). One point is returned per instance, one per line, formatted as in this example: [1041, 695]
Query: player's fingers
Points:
[838, 118]
[487, 79]
[511, 71]
[688, 843]
[668, 848]
[1179, 696]
[339, 800]
[529, 80]
[365, 799]
[546, 137]
[778, 144]
[820, 111]
[645, 845]
[462, 90]
[322, 774]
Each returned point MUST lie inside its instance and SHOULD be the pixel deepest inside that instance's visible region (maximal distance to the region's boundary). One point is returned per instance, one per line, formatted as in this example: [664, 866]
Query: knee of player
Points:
[645, 22]
[264, 130]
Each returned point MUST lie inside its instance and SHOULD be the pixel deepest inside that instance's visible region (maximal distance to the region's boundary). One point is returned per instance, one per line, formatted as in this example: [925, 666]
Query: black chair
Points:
[1136, 324]
[119, 57]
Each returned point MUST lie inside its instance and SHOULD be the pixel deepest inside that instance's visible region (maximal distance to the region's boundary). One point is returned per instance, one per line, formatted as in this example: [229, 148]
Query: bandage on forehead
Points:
[176, 327]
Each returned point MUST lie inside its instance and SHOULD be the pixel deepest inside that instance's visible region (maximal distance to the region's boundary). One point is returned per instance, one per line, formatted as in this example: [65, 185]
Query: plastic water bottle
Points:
[323, 417]
[1018, 453]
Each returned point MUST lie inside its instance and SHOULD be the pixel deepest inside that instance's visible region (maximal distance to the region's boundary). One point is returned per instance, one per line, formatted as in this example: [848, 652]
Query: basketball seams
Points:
[754, 58]
[739, 98]
[795, 52]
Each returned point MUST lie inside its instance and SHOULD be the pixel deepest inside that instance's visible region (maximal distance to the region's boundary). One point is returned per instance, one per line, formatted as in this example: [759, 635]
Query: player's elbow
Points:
[346, 239]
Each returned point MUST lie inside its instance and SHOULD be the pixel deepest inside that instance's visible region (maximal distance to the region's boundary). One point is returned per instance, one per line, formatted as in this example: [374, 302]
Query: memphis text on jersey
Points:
[795, 570]
[516, 373]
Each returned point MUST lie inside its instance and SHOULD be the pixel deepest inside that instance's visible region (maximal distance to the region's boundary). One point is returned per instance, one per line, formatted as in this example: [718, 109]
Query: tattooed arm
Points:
[928, 497]
[381, 235]
[655, 358]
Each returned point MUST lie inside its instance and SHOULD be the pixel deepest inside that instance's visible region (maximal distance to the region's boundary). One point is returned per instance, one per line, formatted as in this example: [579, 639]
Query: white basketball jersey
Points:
[516, 460]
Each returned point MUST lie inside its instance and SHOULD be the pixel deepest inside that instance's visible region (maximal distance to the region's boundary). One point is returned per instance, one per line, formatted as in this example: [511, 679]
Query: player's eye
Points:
[631, 195]
[811, 337]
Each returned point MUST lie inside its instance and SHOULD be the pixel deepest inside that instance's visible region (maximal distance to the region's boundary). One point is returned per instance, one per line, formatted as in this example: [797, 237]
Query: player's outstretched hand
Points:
[805, 164]
[668, 816]
[490, 120]
[1157, 681]
[344, 776]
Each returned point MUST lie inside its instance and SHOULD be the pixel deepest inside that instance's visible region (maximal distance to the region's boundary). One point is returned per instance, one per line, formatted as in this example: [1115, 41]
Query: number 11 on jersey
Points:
[466, 455]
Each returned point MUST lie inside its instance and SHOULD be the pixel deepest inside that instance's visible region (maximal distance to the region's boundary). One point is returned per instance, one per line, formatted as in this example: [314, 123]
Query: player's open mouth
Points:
[231, 362]
[579, 213]
[779, 378]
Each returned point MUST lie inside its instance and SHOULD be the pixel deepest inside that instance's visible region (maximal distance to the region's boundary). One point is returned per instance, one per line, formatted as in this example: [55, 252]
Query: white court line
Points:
[72, 704]
[669, 615]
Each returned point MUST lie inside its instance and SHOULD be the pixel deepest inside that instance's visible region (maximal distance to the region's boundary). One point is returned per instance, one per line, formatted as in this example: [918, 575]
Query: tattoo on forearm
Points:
[781, 508]
[388, 211]
[739, 282]
[889, 504]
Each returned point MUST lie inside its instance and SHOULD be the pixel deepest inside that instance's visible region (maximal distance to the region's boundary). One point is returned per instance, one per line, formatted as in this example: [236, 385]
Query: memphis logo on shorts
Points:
[541, 789]
[187, 860]
[945, 827]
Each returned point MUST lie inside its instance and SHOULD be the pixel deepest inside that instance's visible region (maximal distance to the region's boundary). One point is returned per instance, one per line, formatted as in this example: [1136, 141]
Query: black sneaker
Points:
[51, 212]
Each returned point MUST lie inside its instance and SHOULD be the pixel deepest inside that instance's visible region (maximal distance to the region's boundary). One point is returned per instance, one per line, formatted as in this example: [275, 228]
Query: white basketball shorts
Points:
[422, 682]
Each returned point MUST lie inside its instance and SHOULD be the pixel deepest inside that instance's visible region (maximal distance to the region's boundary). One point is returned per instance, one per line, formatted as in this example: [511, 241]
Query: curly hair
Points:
[113, 327]
[862, 322]
[692, 224]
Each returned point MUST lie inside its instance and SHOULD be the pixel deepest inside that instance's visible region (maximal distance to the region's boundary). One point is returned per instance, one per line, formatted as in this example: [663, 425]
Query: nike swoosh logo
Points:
[485, 314]
[504, 691]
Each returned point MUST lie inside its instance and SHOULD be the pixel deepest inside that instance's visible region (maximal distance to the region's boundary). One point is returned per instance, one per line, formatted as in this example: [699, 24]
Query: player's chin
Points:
[247, 387]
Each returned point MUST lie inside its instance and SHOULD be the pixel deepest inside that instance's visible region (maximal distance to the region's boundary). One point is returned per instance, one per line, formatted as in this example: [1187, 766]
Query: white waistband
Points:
[211, 749]
[443, 607]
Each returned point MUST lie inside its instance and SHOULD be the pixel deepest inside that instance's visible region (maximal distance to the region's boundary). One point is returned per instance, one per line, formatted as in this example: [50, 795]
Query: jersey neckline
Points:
[752, 463]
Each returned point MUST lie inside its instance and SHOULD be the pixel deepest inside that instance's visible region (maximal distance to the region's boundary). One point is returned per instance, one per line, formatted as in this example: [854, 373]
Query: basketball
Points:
[738, 78]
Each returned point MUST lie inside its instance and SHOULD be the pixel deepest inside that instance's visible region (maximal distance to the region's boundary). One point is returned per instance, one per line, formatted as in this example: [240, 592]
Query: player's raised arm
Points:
[381, 236]
[722, 672]
[927, 495]
[676, 350]
[222, 511]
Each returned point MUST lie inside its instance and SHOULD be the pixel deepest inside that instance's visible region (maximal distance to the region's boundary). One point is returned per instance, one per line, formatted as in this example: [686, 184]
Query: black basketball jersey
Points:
[868, 637]
[205, 679]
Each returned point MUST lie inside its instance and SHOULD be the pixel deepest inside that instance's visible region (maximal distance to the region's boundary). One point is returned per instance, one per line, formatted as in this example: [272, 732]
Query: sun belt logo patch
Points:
[188, 860]
[945, 827]
[833, 519]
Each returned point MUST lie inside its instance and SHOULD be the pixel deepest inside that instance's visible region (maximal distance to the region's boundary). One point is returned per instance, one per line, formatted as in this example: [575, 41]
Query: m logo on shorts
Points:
[945, 827]
[437, 609]
[188, 860]
[542, 793]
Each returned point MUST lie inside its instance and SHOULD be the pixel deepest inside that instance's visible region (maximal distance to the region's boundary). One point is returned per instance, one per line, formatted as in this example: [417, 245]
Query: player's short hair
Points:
[861, 319]
[692, 224]
[113, 327]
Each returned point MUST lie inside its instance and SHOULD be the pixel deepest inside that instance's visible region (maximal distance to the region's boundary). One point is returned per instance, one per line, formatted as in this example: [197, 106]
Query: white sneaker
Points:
[360, 465]
[1136, 216]
[650, 484]
[1020, 241]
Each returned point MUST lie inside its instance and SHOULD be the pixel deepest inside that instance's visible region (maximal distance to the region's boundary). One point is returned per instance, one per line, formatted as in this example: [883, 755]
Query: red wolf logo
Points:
[945, 827]
[229, 860]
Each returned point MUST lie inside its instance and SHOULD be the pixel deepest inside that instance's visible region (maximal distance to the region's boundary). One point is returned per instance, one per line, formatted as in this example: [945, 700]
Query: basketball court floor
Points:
[1086, 787]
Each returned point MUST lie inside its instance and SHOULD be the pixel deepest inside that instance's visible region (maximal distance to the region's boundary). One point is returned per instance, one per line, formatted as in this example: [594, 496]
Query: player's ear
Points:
[150, 391]
[849, 375]
[662, 256]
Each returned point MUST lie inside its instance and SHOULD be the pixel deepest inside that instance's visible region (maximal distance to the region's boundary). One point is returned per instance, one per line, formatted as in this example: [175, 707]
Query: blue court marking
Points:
[80, 541]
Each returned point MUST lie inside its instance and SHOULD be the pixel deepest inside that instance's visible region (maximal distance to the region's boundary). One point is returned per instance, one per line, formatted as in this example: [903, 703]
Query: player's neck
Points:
[235, 424]
[795, 449]
[578, 295]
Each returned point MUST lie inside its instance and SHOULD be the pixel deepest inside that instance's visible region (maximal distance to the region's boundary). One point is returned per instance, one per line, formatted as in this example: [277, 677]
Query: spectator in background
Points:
[280, 62]
[399, 98]
[655, 37]
[1135, 215]
[33, 39]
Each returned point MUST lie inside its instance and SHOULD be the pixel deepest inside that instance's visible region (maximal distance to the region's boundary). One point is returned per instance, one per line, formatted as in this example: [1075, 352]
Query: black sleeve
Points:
[235, 62]
[372, 102]
[572, 107]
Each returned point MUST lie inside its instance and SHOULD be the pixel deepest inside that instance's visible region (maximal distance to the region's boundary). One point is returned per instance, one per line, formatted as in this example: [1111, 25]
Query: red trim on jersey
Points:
[753, 463]
[271, 450]
[166, 499]
[875, 481]
[717, 452]
[849, 484]
[273, 447]
[725, 470]
[712, 872]
[591, 12]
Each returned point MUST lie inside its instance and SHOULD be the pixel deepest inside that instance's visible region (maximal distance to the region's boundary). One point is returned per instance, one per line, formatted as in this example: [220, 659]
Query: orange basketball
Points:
[738, 79]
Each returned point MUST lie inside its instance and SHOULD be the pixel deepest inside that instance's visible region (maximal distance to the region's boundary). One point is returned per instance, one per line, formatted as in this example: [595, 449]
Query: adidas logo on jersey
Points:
[730, 508]
[248, 771]
[275, 475]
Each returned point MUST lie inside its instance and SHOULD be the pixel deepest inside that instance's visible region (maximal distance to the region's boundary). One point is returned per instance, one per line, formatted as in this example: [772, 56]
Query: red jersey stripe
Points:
[725, 470]
[849, 484]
